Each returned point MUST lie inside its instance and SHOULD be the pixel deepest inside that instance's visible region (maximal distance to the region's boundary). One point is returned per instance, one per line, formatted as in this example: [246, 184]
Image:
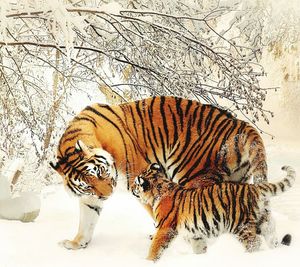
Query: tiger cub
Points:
[207, 212]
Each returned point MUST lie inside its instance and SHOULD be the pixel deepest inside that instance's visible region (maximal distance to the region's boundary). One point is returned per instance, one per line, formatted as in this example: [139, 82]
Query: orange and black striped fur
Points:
[91, 173]
[210, 211]
[185, 137]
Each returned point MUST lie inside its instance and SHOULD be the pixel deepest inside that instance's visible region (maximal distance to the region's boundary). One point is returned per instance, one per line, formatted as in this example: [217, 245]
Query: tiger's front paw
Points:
[71, 244]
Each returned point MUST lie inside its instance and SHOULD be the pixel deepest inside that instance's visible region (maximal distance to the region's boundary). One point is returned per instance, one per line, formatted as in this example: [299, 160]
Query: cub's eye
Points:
[158, 187]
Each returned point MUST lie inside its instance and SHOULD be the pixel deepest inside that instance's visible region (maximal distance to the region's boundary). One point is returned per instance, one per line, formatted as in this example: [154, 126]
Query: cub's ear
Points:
[155, 167]
[142, 183]
[55, 166]
[81, 146]
[146, 185]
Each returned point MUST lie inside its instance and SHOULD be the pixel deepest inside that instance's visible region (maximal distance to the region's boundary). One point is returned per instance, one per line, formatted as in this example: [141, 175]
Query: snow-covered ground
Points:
[120, 237]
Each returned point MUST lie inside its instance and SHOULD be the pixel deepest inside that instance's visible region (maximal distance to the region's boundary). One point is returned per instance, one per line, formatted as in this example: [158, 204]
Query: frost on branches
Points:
[128, 49]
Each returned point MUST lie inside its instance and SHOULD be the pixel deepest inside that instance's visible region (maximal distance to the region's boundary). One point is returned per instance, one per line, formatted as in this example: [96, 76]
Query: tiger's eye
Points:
[102, 168]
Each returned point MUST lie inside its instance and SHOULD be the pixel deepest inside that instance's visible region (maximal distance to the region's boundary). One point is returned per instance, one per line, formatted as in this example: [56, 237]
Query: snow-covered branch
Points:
[127, 49]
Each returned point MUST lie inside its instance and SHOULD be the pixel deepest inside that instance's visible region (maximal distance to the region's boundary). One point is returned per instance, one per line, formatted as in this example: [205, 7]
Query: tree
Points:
[128, 49]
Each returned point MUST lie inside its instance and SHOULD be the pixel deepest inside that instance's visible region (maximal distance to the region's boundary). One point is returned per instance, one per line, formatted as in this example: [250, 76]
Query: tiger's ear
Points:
[56, 166]
[82, 147]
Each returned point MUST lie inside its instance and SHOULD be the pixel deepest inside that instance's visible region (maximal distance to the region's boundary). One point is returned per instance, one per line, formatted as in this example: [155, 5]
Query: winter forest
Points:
[58, 56]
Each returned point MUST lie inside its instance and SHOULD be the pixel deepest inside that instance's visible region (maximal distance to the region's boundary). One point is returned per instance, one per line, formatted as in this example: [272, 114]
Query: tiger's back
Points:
[185, 137]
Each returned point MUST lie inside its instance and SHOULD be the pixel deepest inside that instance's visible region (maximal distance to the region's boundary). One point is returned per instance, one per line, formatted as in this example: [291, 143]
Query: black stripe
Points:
[226, 189]
[241, 200]
[195, 201]
[209, 117]
[232, 189]
[191, 204]
[220, 196]
[72, 131]
[165, 125]
[195, 113]
[175, 130]
[188, 107]
[85, 119]
[150, 114]
[179, 111]
[183, 150]
[138, 110]
[94, 208]
[214, 209]
[162, 145]
[287, 181]
[204, 208]
[133, 121]
[201, 116]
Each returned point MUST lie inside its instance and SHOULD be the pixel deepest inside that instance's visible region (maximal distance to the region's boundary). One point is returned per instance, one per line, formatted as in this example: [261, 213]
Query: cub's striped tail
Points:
[275, 189]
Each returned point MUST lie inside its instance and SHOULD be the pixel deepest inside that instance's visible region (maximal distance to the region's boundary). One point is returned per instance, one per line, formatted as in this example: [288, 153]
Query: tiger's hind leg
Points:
[248, 237]
[258, 164]
[198, 244]
[90, 209]
[267, 228]
[260, 172]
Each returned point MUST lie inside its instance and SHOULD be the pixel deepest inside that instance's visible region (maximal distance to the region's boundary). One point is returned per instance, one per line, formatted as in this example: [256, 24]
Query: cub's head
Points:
[151, 184]
[88, 171]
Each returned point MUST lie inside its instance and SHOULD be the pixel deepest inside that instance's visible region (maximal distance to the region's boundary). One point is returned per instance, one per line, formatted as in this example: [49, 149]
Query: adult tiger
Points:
[185, 137]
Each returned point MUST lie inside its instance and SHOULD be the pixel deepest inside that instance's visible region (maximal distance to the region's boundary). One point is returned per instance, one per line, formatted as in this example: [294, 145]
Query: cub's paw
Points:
[68, 244]
[199, 250]
[273, 243]
[151, 258]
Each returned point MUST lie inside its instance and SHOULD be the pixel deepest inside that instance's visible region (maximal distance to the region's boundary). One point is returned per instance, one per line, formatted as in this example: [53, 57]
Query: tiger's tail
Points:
[275, 189]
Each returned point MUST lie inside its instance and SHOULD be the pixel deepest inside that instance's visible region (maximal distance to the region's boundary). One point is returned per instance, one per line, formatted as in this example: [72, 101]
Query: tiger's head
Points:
[88, 171]
[151, 184]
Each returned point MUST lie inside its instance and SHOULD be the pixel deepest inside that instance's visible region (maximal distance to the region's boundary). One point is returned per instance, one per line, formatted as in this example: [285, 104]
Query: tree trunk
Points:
[15, 178]
[53, 110]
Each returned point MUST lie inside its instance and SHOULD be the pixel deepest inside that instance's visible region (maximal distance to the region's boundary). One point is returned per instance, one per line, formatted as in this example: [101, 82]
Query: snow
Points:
[121, 235]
